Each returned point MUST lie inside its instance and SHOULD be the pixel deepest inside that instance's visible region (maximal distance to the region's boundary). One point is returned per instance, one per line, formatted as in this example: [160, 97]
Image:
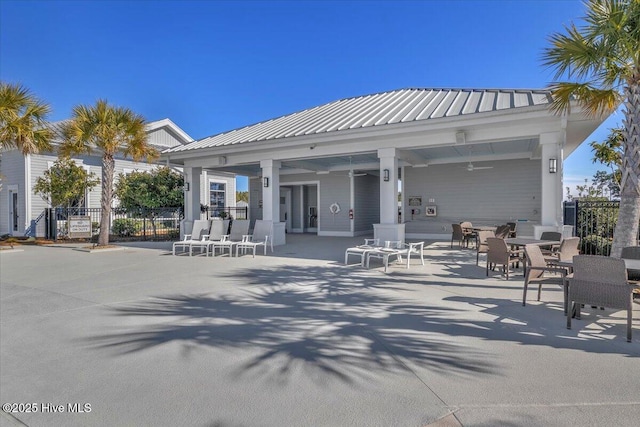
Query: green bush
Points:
[124, 227]
[595, 245]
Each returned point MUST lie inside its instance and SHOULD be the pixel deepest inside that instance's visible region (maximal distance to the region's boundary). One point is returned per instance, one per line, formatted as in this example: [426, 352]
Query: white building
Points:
[19, 206]
[482, 155]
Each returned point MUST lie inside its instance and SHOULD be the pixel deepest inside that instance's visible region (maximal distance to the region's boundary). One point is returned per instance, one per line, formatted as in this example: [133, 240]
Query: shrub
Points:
[595, 245]
[124, 227]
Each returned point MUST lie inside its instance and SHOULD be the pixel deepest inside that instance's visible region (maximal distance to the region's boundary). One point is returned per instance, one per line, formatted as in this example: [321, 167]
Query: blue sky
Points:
[212, 66]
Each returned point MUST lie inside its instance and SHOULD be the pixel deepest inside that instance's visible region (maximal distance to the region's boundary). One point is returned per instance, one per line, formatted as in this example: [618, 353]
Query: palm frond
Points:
[595, 101]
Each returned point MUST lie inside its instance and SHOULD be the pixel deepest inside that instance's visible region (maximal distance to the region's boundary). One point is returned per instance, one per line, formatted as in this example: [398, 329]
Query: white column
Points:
[388, 229]
[271, 199]
[551, 203]
[270, 190]
[192, 195]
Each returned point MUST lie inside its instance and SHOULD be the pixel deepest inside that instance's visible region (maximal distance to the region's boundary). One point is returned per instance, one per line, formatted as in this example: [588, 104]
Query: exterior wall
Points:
[511, 191]
[13, 174]
[366, 203]
[163, 139]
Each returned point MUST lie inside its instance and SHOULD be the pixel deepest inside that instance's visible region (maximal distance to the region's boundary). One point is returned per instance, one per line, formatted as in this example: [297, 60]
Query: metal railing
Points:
[228, 213]
[138, 224]
[594, 222]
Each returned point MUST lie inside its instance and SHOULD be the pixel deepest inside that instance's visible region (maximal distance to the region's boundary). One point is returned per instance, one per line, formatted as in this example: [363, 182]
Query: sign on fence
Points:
[79, 227]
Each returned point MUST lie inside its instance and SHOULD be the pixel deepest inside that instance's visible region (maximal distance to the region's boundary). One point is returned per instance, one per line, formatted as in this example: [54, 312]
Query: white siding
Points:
[508, 192]
[162, 138]
[12, 169]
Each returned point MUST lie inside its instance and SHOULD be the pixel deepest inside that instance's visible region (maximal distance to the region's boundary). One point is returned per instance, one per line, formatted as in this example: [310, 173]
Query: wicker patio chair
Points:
[536, 268]
[632, 252]
[512, 228]
[481, 243]
[600, 281]
[503, 231]
[458, 234]
[550, 235]
[500, 254]
[568, 248]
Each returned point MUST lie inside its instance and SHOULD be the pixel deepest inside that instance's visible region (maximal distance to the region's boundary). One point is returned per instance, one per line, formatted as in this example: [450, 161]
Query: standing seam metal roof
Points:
[398, 106]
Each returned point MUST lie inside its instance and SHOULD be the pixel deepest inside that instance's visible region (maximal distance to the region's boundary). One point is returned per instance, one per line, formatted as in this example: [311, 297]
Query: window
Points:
[217, 197]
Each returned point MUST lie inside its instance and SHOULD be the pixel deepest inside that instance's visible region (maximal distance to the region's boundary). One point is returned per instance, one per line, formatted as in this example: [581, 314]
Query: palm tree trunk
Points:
[626, 231]
[108, 166]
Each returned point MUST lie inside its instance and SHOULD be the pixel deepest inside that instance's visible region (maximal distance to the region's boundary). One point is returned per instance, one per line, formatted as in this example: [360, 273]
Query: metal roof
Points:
[380, 109]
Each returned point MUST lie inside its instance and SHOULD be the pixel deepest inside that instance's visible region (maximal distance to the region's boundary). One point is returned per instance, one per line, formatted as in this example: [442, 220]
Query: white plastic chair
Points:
[239, 228]
[217, 230]
[200, 228]
[362, 250]
[409, 249]
[261, 230]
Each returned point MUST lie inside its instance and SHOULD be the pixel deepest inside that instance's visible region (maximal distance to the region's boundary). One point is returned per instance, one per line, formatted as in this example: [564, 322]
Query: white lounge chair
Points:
[261, 237]
[216, 232]
[239, 228]
[200, 228]
[409, 249]
[391, 248]
[362, 250]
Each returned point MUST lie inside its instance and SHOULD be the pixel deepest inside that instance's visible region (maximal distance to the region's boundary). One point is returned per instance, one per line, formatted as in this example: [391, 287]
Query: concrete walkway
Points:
[299, 339]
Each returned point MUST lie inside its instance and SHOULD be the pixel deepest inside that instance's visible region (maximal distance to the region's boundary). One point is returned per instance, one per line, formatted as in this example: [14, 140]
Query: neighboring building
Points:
[19, 206]
[481, 155]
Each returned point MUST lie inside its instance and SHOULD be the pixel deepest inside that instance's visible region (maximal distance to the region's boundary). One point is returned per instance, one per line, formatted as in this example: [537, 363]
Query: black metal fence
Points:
[139, 224]
[594, 222]
[228, 213]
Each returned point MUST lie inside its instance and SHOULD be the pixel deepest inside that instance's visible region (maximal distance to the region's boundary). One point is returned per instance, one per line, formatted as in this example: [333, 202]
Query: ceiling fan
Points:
[352, 173]
[470, 167]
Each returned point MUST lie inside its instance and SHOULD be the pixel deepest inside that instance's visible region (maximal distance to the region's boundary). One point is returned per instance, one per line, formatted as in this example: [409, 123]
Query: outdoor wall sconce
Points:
[385, 174]
[553, 166]
[186, 186]
[265, 181]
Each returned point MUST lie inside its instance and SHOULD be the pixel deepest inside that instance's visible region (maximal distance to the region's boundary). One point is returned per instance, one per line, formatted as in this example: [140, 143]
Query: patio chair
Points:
[550, 235]
[568, 248]
[632, 252]
[217, 230]
[500, 254]
[409, 249]
[481, 243]
[503, 231]
[199, 229]
[600, 281]
[458, 234]
[536, 268]
[239, 228]
[391, 248]
[261, 230]
[512, 228]
[362, 250]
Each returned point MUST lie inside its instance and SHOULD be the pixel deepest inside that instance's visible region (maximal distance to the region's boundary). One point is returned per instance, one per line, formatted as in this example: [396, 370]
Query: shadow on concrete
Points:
[322, 319]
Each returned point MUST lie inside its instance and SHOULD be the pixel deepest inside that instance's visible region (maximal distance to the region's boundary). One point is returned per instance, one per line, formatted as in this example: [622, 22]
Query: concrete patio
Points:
[299, 339]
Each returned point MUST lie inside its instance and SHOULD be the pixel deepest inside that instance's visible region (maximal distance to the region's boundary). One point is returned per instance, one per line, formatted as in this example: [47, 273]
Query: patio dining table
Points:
[523, 241]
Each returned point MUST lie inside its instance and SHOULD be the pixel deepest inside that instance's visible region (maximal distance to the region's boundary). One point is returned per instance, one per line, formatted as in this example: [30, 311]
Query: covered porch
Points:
[398, 164]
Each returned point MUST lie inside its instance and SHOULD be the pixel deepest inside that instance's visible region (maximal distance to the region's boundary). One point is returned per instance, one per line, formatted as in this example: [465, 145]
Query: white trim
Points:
[335, 233]
[27, 191]
[159, 124]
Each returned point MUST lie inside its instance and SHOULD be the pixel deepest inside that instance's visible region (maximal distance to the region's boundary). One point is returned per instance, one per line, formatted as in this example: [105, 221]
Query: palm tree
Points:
[602, 58]
[23, 122]
[109, 130]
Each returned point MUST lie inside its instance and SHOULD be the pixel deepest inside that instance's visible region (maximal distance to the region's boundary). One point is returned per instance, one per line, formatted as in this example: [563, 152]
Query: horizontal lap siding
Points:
[509, 191]
[12, 169]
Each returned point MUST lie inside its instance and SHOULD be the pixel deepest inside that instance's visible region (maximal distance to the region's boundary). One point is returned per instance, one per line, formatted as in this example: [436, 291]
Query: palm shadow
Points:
[340, 323]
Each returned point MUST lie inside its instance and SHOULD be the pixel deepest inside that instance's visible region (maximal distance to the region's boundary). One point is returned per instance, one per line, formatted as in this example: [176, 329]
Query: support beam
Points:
[551, 181]
[270, 190]
[192, 194]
